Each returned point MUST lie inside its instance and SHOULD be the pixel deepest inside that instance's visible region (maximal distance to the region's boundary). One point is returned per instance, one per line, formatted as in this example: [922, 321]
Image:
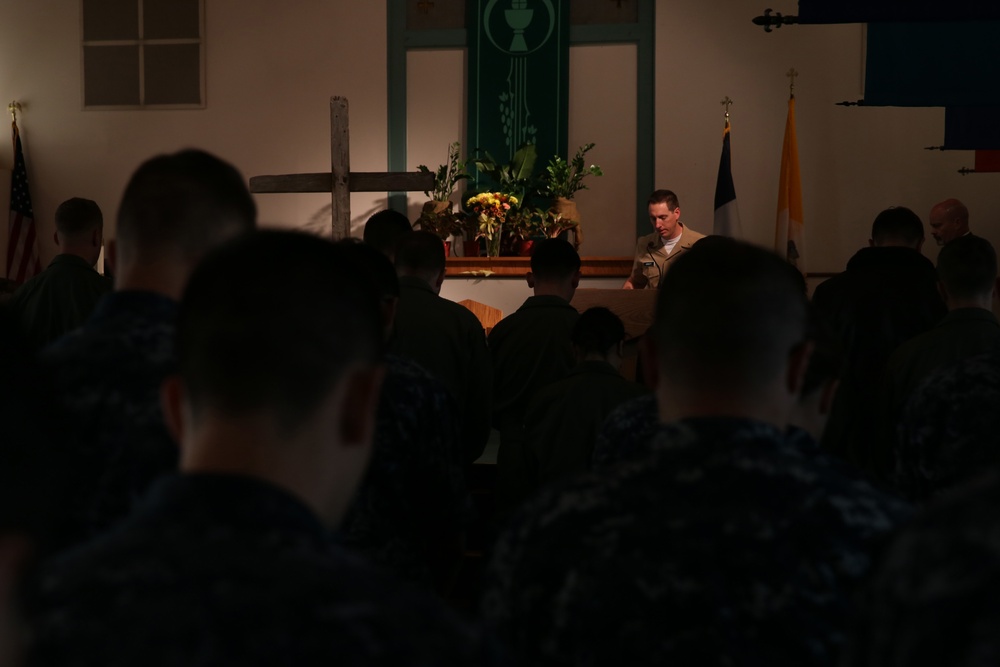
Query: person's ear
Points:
[362, 389]
[389, 306]
[55, 237]
[829, 392]
[531, 279]
[871, 243]
[110, 256]
[96, 237]
[920, 245]
[172, 403]
[439, 281]
[798, 362]
[943, 291]
[576, 280]
[649, 360]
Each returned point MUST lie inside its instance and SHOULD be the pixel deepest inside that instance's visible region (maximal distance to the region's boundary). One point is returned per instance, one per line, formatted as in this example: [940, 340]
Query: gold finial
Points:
[791, 74]
[13, 108]
[726, 102]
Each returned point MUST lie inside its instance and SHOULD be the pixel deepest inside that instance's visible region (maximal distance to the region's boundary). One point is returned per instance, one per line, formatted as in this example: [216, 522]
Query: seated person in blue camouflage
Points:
[967, 274]
[726, 544]
[31, 481]
[947, 435]
[63, 296]
[935, 598]
[231, 561]
[410, 514]
[632, 426]
[564, 417]
[108, 373]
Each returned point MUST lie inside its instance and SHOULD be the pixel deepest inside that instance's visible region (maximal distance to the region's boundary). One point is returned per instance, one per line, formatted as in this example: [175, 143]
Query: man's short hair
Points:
[597, 330]
[554, 259]
[664, 197]
[184, 203]
[727, 315]
[420, 253]
[270, 321]
[897, 224]
[967, 266]
[78, 217]
[384, 229]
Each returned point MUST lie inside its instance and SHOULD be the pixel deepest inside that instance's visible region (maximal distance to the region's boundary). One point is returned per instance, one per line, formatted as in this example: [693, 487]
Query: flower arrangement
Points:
[492, 209]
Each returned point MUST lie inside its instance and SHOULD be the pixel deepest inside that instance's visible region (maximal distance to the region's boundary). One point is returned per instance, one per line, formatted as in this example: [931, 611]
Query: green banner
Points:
[518, 77]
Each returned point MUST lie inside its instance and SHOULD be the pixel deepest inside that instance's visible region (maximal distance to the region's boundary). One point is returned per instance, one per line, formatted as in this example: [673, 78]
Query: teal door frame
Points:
[642, 34]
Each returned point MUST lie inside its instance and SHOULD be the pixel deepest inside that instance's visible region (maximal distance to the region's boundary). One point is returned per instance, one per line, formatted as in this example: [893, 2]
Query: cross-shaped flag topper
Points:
[726, 102]
[791, 74]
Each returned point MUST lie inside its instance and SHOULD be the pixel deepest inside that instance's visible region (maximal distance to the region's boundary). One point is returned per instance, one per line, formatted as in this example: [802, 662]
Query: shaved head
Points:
[949, 220]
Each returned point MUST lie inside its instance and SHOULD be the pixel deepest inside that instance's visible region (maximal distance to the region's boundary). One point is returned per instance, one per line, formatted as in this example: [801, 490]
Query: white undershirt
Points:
[669, 246]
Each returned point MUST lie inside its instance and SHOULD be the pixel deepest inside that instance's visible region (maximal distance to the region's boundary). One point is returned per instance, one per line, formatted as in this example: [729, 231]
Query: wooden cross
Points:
[424, 7]
[340, 182]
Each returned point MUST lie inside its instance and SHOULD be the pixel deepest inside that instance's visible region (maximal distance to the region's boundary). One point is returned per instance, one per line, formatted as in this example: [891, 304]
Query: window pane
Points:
[110, 19]
[110, 75]
[170, 19]
[602, 12]
[173, 74]
[435, 14]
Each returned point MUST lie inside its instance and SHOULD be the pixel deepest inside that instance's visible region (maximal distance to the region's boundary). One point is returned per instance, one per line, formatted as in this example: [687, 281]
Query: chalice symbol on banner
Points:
[518, 18]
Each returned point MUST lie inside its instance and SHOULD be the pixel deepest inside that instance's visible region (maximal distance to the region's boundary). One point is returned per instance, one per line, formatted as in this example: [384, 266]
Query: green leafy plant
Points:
[515, 176]
[565, 179]
[529, 223]
[447, 175]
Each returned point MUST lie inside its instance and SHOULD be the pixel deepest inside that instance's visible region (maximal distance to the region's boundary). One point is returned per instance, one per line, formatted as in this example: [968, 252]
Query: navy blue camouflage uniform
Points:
[107, 376]
[947, 434]
[415, 484]
[229, 570]
[935, 598]
[727, 544]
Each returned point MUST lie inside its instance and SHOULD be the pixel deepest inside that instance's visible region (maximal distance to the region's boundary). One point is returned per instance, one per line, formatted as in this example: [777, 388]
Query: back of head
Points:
[275, 341]
[384, 230]
[554, 260]
[182, 205]
[897, 226]
[597, 331]
[77, 219]
[967, 267]
[727, 316]
[664, 197]
[420, 254]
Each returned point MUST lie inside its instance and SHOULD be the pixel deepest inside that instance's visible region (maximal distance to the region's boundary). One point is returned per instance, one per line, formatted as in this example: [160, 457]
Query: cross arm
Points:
[359, 181]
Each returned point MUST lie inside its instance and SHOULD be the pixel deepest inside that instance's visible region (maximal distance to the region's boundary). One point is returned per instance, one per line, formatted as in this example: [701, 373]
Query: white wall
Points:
[272, 67]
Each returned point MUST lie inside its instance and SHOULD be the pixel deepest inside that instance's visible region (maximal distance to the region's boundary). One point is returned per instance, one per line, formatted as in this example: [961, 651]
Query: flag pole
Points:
[726, 221]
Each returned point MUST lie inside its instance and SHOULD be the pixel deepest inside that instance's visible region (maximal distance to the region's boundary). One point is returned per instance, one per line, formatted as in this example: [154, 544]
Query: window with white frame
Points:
[143, 53]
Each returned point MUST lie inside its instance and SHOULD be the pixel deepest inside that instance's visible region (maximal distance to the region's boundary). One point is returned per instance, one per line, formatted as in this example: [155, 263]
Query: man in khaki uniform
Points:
[670, 239]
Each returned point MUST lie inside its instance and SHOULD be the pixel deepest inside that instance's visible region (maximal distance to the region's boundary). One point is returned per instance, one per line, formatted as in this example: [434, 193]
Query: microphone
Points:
[650, 247]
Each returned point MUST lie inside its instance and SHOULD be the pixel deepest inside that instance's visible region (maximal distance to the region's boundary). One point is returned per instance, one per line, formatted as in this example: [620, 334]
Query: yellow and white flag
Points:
[789, 237]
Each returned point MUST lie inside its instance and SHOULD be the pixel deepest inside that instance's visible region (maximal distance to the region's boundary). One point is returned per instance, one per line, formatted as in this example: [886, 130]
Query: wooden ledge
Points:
[516, 267]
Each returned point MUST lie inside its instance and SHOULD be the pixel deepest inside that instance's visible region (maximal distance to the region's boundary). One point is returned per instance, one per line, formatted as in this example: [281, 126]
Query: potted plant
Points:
[438, 215]
[562, 180]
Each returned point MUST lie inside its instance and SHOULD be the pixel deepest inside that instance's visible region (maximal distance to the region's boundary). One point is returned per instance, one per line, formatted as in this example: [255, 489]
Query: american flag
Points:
[22, 246]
